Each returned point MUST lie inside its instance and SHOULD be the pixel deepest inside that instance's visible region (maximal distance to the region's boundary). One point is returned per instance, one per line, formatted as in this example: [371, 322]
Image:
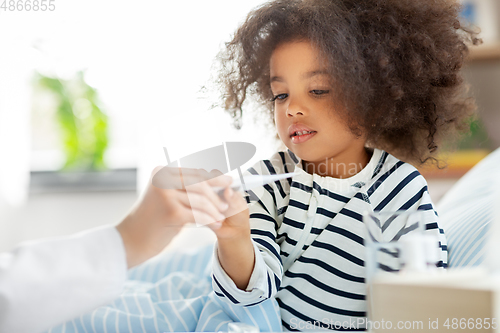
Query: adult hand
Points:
[161, 213]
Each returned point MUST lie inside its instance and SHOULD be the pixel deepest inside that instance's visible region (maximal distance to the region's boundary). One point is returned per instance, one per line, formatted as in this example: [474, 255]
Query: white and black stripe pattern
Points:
[309, 233]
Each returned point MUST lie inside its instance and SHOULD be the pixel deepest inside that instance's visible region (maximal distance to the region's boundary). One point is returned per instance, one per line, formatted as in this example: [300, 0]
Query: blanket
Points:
[173, 293]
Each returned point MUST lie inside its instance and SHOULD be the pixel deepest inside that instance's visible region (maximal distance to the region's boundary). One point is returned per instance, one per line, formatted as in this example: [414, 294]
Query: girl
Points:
[355, 88]
[358, 90]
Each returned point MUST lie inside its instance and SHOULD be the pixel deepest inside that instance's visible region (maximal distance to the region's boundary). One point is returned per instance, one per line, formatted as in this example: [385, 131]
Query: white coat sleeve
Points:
[45, 283]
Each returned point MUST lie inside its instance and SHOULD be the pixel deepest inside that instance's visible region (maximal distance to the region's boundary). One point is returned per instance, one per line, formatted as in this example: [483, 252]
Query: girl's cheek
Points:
[279, 117]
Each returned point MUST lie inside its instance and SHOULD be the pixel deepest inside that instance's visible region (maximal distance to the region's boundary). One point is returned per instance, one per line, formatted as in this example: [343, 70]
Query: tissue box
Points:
[453, 301]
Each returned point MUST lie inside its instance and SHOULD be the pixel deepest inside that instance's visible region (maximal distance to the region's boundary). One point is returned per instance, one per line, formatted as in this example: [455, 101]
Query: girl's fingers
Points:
[237, 202]
[215, 225]
[237, 199]
[228, 194]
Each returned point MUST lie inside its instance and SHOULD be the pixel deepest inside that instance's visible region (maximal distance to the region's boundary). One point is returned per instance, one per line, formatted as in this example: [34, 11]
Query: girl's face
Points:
[304, 113]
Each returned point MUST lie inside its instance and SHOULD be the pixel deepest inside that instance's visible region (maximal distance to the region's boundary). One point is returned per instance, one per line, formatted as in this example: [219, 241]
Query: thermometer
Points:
[252, 181]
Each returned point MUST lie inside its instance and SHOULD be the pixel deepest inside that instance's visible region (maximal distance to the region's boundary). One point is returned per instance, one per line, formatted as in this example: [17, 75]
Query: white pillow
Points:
[467, 210]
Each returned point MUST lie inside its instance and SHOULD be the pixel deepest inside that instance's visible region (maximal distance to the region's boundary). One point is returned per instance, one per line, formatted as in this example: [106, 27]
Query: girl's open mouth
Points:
[302, 136]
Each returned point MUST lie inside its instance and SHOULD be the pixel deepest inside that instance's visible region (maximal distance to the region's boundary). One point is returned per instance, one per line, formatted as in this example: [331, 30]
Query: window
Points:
[148, 61]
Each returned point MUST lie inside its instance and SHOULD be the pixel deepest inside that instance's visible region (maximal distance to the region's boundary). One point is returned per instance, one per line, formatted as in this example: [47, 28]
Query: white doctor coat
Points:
[44, 283]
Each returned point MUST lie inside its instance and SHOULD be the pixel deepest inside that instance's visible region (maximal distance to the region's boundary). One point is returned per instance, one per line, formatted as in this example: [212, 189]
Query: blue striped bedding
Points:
[173, 293]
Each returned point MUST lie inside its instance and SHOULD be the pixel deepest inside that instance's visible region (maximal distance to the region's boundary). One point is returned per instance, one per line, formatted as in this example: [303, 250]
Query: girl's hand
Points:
[235, 248]
[236, 224]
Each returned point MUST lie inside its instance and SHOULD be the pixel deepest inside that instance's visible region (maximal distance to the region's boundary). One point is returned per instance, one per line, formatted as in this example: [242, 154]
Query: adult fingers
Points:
[204, 189]
[184, 214]
[218, 179]
[200, 203]
[202, 218]
[180, 178]
[214, 178]
[168, 177]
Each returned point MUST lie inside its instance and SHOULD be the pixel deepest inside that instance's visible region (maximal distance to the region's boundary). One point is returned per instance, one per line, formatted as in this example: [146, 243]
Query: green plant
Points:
[477, 137]
[83, 124]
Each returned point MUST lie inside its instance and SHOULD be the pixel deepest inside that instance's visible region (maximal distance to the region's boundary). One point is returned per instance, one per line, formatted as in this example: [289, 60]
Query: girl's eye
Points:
[279, 97]
[320, 92]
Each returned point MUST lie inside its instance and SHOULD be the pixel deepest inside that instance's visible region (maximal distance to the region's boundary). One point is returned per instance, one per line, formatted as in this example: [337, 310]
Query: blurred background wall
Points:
[146, 66]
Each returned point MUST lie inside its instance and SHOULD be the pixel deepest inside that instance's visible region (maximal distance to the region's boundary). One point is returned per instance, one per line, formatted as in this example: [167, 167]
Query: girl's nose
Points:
[294, 110]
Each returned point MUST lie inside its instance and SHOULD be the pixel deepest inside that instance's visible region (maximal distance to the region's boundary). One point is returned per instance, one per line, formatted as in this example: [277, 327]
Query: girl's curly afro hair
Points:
[395, 65]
